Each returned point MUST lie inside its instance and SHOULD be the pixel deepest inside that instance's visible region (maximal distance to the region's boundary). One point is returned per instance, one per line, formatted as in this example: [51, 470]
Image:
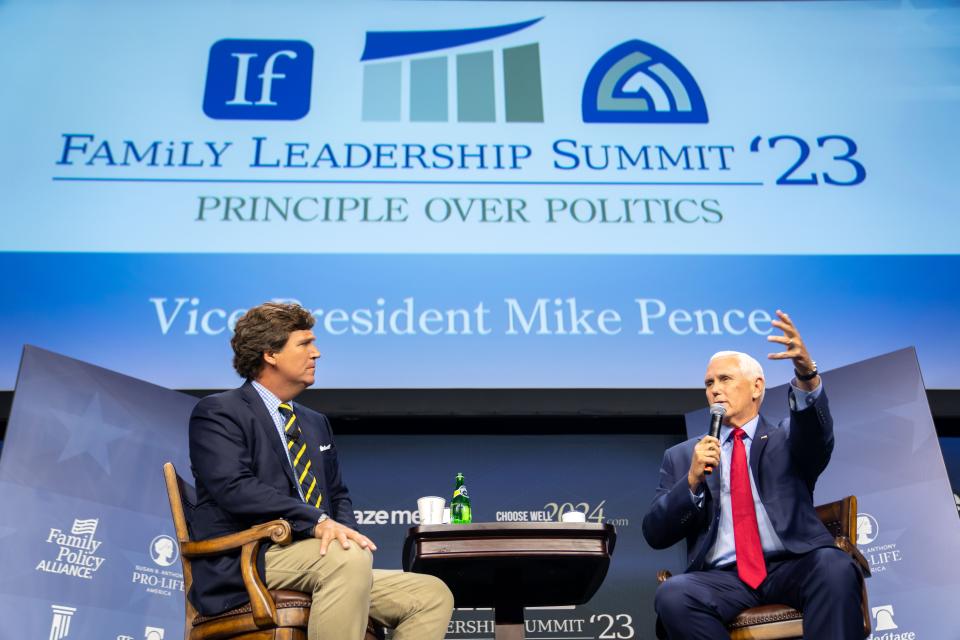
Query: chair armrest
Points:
[662, 576]
[262, 606]
[277, 531]
[844, 544]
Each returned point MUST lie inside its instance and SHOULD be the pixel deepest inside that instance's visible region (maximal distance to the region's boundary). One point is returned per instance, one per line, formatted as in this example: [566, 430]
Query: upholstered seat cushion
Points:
[765, 614]
[285, 599]
[293, 610]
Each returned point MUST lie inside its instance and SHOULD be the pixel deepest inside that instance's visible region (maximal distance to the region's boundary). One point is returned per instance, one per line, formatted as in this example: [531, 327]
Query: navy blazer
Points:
[786, 459]
[244, 478]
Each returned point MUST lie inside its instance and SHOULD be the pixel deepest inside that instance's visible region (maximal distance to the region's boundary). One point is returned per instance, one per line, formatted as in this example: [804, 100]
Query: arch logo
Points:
[637, 82]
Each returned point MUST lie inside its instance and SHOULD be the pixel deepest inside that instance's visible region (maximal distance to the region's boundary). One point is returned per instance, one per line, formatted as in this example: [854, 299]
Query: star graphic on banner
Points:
[90, 433]
[914, 413]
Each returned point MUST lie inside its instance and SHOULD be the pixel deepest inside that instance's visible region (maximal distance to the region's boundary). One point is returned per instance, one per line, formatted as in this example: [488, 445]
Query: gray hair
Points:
[749, 366]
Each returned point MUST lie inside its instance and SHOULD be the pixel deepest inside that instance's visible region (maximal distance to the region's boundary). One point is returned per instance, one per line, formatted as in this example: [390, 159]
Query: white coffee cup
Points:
[446, 516]
[573, 516]
[431, 509]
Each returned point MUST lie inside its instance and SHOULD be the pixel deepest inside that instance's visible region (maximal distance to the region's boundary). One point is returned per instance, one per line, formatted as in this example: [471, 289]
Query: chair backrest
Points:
[840, 517]
[182, 497]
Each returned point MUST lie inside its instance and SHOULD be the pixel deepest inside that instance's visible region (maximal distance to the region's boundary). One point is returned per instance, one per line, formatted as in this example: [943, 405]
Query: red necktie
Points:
[746, 535]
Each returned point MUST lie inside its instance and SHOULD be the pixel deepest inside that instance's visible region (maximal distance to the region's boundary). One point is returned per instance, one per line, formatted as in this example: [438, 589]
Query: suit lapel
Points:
[760, 439]
[268, 429]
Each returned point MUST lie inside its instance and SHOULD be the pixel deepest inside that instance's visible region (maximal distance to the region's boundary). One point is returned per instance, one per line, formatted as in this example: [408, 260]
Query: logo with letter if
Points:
[258, 80]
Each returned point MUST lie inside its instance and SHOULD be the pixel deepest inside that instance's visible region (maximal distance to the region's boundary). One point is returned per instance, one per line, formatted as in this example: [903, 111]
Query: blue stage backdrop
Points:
[887, 454]
[86, 530]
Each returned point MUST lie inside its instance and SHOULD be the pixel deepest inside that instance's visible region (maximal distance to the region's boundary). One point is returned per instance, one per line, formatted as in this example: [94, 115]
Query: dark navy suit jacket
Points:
[244, 478]
[786, 459]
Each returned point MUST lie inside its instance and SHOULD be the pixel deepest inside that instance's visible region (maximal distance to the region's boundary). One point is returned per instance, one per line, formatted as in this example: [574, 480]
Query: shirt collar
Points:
[270, 400]
[750, 428]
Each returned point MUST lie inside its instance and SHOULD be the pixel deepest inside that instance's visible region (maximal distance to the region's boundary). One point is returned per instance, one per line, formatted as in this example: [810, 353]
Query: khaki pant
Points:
[347, 589]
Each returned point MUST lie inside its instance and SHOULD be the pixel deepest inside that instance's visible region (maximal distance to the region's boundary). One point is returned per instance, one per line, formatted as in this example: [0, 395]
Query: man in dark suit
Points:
[752, 532]
[257, 456]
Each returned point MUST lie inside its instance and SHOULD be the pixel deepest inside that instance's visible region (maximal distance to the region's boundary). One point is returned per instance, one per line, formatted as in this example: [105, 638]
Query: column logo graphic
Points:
[258, 80]
[637, 82]
[411, 72]
[60, 626]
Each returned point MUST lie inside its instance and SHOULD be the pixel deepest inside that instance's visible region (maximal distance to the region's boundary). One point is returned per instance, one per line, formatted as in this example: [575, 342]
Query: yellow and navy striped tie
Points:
[302, 464]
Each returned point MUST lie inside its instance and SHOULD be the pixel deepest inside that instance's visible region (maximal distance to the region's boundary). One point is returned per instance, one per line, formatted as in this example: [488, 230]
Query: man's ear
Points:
[270, 358]
[758, 385]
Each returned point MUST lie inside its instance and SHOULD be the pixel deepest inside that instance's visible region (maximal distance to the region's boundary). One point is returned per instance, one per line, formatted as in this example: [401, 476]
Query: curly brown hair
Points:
[265, 329]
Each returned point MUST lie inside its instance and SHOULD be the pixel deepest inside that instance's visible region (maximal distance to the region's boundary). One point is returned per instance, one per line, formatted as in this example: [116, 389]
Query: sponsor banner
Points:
[90, 552]
[411, 321]
[888, 455]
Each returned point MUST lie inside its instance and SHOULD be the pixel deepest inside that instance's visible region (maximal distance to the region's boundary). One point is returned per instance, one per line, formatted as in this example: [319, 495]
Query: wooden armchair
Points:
[270, 614]
[780, 622]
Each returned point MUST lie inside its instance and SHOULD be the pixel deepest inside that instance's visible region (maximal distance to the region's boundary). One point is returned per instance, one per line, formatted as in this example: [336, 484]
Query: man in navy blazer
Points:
[787, 555]
[244, 458]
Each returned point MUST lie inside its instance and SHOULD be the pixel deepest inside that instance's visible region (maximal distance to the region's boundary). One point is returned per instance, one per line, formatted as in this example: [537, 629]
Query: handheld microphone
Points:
[717, 412]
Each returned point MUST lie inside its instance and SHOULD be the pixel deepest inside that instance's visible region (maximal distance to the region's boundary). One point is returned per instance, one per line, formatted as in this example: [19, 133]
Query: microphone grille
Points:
[718, 410]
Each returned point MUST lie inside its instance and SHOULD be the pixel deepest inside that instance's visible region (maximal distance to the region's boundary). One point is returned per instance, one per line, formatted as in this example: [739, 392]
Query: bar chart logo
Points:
[406, 68]
[640, 83]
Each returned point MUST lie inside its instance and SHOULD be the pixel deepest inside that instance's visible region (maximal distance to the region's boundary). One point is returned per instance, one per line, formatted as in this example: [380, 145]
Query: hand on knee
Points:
[353, 566]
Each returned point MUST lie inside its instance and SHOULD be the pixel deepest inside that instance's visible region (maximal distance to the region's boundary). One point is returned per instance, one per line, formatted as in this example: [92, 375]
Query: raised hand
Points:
[795, 350]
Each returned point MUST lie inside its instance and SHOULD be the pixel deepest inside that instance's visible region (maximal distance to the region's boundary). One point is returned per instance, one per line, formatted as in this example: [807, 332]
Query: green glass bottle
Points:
[460, 505]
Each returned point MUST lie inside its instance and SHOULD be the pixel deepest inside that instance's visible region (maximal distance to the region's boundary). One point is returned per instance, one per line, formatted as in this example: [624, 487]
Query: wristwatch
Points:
[807, 377]
[322, 517]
